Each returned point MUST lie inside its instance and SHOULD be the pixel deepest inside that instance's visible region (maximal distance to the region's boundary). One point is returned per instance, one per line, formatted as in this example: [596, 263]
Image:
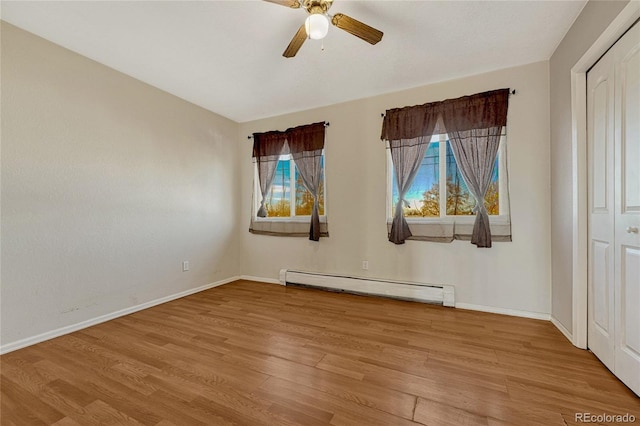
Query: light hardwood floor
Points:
[263, 354]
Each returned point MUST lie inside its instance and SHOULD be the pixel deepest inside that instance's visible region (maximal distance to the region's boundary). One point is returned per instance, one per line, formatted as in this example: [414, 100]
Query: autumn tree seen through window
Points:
[282, 193]
[424, 198]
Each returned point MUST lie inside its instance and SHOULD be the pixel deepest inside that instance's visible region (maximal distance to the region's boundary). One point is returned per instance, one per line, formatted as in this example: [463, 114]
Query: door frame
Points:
[614, 31]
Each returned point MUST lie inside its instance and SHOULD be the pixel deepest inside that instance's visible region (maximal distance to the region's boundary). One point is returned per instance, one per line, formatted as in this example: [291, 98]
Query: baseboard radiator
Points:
[427, 293]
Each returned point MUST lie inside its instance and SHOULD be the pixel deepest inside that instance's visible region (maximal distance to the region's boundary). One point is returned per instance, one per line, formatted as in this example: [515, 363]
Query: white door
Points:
[613, 116]
[627, 211]
[600, 143]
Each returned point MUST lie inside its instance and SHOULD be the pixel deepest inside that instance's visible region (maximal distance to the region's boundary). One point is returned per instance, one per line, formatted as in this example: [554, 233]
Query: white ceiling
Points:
[226, 56]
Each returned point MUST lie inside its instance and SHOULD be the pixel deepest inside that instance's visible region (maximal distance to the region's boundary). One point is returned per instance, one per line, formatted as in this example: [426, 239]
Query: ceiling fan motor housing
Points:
[317, 6]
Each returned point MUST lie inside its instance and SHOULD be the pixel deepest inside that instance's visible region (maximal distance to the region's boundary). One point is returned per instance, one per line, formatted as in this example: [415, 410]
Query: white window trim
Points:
[503, 187]
[292, 197]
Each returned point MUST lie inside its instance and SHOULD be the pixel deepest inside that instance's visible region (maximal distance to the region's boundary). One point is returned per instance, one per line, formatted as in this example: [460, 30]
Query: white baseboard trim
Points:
[260, 279]
[562, 329]
[23, 343]
[504, 311]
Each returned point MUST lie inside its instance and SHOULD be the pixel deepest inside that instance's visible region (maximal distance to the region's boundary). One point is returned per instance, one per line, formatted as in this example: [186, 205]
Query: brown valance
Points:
[268, 144]
[306, 138]
[481, 111]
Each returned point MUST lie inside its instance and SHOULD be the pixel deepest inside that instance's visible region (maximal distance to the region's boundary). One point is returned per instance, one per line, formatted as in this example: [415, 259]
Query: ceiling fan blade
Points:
[357, 28]
[294, 4]
[296, 43]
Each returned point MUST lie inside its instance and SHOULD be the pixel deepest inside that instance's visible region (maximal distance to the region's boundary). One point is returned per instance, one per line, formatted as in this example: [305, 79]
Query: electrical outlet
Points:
[365, 265]
[185, 265]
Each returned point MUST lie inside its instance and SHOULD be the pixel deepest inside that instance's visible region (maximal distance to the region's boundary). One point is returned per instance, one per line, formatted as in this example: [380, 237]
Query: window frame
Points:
[503, 187]
[257, 198]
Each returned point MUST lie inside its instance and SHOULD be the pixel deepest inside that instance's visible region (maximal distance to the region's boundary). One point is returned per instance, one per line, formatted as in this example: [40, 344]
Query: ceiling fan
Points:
[316, 25]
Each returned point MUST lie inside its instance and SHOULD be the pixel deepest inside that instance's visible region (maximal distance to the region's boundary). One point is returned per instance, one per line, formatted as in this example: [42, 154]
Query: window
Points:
[430, 197]
[287, 200]
[442, 204]
[289, 191]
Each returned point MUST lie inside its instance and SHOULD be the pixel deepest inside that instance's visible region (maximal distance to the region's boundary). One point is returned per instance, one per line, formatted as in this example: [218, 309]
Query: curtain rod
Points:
[326, 124]
[511, 92]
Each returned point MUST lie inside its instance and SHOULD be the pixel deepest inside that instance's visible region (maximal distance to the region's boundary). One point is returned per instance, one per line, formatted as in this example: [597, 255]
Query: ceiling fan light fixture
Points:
[317, 26]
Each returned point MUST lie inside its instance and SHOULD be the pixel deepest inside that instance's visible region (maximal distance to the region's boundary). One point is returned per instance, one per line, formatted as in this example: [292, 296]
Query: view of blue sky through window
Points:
[279, 198]
[423, 196]
[281, 187]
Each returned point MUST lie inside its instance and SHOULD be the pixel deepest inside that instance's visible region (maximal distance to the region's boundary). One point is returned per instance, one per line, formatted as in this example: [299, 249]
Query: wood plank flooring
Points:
[261, 354]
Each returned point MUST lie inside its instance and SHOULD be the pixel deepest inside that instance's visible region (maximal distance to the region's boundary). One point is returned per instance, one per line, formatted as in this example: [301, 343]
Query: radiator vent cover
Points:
[417, 292]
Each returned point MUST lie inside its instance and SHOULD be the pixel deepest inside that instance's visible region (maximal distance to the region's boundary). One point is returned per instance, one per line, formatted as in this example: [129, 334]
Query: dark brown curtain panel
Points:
[409, 132]
[267, 149]
[474, 125]
[305, 145]
[406, 155]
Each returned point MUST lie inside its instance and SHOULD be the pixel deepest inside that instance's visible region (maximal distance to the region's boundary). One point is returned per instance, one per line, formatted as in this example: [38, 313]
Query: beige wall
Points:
[512, 275]
[107, 185]
[593, 20]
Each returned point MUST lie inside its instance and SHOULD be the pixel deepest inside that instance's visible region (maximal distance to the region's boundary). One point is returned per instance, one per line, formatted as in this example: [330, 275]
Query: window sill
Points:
[296, 219]
[453, 220]
[287, 226]
[447, 229]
